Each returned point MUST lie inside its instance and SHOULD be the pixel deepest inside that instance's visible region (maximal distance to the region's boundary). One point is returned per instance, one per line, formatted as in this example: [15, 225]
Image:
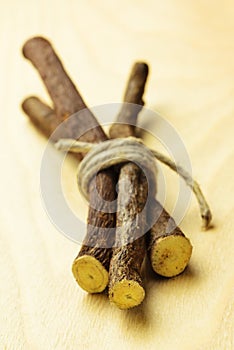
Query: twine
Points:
[116, 151]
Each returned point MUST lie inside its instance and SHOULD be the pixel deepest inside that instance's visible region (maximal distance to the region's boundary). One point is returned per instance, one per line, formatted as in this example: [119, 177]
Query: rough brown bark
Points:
[125, 282]
[67, 100]
[169, 250]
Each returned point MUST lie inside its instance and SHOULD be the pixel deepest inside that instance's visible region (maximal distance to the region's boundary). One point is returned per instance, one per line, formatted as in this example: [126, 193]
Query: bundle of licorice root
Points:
[117, 241]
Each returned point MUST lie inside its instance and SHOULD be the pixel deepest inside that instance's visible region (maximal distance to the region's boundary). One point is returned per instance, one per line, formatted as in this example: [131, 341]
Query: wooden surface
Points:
[189, 46]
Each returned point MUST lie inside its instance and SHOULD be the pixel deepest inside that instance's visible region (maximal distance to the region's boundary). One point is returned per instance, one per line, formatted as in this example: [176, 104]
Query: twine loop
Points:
[115, 151]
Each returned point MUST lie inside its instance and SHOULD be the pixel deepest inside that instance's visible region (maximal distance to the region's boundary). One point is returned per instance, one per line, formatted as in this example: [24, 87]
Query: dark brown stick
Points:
[91, 266]
[133, 102]
[125, 285]
[60, 87]
[66, 99]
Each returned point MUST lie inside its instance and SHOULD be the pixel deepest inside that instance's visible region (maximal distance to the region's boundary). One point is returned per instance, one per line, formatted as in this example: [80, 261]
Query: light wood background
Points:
[190, 48]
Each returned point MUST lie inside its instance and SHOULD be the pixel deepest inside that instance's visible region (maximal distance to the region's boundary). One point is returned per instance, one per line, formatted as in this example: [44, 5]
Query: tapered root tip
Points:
[31, 43]
[29, 103]
[170, 255]
[141, 67]
[126, 294]
[90, 274]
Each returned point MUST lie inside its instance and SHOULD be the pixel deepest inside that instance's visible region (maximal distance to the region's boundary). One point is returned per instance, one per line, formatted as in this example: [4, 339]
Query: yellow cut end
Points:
[170, 255]
[127, 294]
[90, 274]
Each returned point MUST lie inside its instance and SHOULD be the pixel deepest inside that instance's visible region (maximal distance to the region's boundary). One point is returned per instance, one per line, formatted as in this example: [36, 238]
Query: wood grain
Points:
[189, 46]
